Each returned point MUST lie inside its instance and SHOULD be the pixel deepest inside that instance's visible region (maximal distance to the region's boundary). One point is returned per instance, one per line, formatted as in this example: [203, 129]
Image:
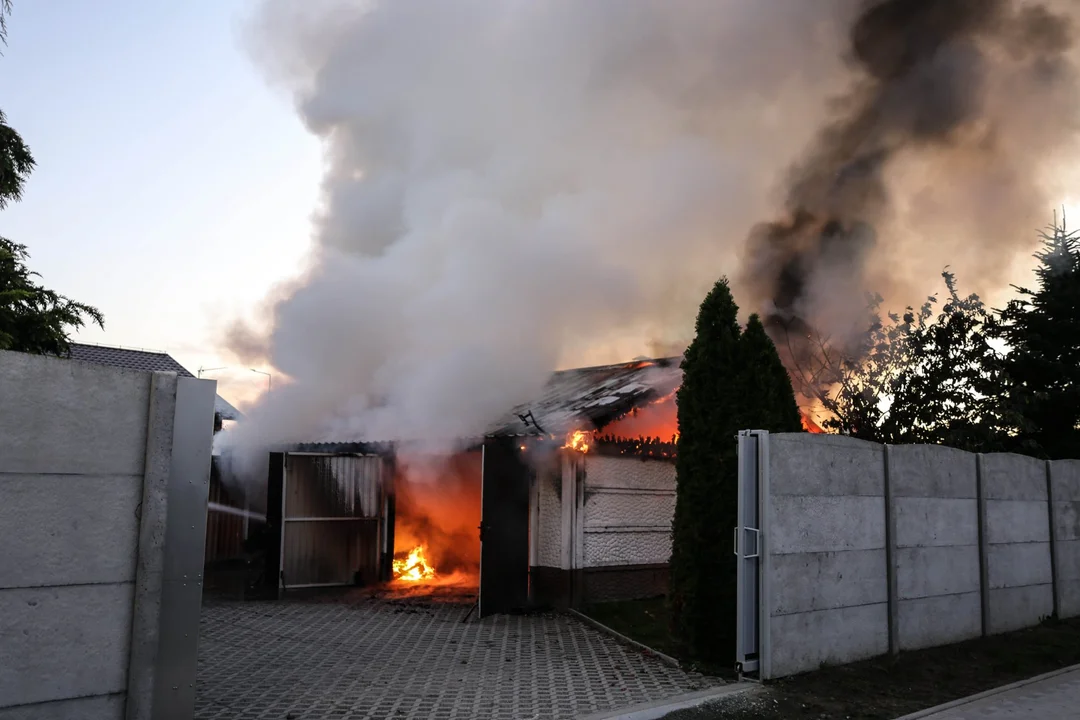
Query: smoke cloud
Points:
[515, 186]
[938, 151]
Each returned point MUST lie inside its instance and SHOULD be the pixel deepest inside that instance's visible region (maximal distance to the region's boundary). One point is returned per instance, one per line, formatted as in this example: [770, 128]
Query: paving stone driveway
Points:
[380, 660]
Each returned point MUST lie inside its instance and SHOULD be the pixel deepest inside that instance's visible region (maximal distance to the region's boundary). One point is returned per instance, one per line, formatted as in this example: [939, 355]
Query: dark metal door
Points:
[504, 529]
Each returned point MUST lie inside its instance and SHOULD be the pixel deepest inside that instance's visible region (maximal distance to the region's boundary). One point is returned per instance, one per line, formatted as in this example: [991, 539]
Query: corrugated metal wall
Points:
[224, 531]
[332, 519]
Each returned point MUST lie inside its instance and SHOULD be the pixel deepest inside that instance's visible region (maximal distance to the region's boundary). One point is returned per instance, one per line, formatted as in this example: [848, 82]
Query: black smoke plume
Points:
[931, 81]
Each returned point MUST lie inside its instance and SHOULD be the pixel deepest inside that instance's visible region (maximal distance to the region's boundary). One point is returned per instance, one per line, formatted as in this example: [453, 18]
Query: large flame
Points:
[658, 419]
[414, 568]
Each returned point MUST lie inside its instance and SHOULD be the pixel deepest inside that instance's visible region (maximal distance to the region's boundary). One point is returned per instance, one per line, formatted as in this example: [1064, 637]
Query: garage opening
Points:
[437, 526]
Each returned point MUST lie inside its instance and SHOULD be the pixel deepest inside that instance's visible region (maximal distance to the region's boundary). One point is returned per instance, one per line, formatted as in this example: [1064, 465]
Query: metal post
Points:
[890, 559]
[1055, 571]
[984, 549]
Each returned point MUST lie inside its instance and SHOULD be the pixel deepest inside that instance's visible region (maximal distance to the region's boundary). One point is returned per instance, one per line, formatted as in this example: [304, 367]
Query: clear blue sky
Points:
[173, 187]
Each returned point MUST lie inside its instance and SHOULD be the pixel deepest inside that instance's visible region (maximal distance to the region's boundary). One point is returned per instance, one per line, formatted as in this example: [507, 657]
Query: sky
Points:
[174, 187]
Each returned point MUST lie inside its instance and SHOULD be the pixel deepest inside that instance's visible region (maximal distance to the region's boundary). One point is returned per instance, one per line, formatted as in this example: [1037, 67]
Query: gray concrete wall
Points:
[870, 549]
[74, 446]
[826, 552]
[934, 495]
[1065, 490]
[1017, 542]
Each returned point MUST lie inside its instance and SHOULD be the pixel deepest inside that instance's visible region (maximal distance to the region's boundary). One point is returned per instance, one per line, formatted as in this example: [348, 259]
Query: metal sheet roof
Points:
[591, 397]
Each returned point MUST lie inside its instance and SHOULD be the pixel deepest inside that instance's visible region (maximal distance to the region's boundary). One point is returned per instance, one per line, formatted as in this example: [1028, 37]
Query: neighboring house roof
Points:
[146, 360]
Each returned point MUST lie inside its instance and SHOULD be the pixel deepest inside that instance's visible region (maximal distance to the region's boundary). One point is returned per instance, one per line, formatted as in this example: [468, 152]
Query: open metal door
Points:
[504, 529]
[749, 549]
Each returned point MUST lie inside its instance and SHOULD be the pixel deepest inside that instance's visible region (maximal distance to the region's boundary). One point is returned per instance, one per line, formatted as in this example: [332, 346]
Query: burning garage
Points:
[565, 500]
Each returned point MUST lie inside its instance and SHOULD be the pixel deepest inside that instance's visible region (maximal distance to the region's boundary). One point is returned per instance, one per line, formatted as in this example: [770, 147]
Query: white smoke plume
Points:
[515, 186]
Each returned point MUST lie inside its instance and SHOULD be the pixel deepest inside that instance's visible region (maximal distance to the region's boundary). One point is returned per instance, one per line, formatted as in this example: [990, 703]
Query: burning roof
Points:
[592, 397]
[587, 398]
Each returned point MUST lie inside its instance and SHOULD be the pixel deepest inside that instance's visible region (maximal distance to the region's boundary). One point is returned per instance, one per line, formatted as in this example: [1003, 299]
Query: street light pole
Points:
[269, 379]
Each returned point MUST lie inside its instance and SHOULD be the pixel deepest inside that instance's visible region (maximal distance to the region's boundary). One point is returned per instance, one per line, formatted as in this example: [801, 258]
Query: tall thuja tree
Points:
[732, 380]
[702, 567]
[771, 400]
[1042, 331]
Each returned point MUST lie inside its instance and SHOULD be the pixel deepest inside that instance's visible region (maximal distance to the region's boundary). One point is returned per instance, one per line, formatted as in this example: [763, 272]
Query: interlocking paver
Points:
[1055, 698]
[376, 660]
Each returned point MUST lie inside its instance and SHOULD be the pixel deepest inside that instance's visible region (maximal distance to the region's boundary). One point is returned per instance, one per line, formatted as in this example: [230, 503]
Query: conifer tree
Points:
[1042, 331]
[772, 403]
[732, 381]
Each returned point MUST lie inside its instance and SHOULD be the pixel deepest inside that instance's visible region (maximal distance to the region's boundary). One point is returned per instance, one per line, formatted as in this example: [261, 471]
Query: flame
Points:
[414, 568]
[658, 419]
[809, 425]
[578, 440]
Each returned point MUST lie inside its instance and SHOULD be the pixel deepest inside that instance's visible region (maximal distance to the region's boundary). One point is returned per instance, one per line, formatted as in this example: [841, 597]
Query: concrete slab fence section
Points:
[101, 474]
[935, 552]
[825, 553]
[869, 549]
[1016, 542]
[1065, 522]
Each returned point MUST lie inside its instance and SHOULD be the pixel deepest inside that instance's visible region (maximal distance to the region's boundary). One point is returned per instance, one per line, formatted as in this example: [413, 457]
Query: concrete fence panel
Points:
[826, 552]
[869, 548]
[1065, 494]
[1016, 532]
[934, 495]
[78, 444]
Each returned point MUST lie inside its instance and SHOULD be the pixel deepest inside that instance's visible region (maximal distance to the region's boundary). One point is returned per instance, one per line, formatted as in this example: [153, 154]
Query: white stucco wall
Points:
[601, 511]
[549, 519]
[629, 506]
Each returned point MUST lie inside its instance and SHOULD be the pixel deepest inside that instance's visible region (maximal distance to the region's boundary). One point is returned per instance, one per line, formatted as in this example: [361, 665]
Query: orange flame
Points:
[659, 419]
[809, 425]
[578, 440]
[414, 568]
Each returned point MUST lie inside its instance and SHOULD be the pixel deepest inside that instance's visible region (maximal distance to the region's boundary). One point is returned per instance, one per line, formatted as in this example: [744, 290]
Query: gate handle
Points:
[757, 543]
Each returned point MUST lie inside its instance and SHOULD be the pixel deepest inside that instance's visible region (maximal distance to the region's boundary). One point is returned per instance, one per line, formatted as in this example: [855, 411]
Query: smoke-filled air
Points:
[515, 186]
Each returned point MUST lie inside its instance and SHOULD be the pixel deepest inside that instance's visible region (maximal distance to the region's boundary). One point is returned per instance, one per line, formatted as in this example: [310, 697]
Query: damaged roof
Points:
[146, 360]
[571, 400]
[592, 397]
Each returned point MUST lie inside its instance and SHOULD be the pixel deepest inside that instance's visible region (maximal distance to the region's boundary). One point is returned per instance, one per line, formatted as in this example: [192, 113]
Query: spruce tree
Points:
[731, 381]
[1042, 365]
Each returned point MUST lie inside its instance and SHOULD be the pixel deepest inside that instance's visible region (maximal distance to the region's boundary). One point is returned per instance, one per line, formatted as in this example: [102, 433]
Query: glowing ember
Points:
[809, 425]
[578, 440]
[414, 568]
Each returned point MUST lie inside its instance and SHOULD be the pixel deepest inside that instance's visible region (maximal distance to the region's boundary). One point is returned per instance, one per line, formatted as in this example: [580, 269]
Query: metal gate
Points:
[333, 520]
[751, 577]
[504, 528]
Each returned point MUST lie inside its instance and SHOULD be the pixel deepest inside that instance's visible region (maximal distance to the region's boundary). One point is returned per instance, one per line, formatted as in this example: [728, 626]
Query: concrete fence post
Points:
[150, 565]
[890, 558]
[1055, 569]
[984, 550]
[172, 534]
